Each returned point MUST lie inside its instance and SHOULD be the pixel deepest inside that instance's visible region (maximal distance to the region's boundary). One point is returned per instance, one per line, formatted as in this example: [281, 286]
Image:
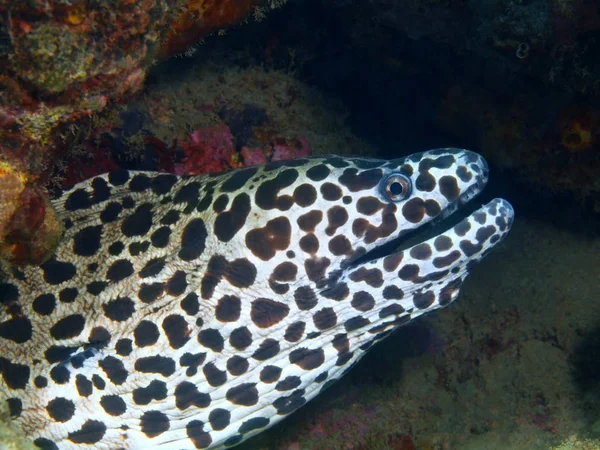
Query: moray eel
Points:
[196, 311]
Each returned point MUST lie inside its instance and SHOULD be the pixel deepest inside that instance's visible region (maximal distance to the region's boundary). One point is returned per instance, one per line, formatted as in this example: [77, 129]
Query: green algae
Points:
[9, 440]
[574, 443]
[53, 58]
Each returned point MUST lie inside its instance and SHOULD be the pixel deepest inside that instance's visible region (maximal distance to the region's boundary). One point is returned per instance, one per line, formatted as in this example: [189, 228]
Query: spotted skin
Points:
[195, 312]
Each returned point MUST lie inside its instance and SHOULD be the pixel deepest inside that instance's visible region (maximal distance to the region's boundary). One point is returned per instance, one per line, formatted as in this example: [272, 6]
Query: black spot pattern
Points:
[288, 404]
[15, 407]
[305, 195]
[266, 312]
[152, 268]
[58, 353]
[16, 376]
[267, 349]
[154, 423]
[119, 309]
[177, 283]
[266, 196]
[139, 223]
[294, 332]
[228, 223]
[84, 386]
[449, 187]
[57, 272]
[240, 338]
[145, 334]
[160, 238]
[118, 177]
[114, 405]
[187, 394]
[288, 383]
[149, 293]
[176, 330]
[8, 293]
[305, 298]
[156, 390]
[156, 364]
[275, 235]
[68, 327]
[244, 394]
[91, 432]
[18, 329]
[60, 374]
[219, 418]
[214, 376]
[44, 304]
[198, 436]
[60, 409]
[238, 180]
[363, 301]
[308, 222]
[212, 339]
[228, 308]
[68, 295]
[358, 181]
[193, 240]
[253, 424]
[318, 172]
[270, 374]
[163, 183]
[190, 304]
[331, 192]
[308, 359]
[114, 369]
[119, 270]
[236, 365]
[111, 212]
[87, 241]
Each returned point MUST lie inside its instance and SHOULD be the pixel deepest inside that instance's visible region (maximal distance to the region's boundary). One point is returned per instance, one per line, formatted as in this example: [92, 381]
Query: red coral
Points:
[79, 170]
[209, 149]
[398, 441]
[253, 156]
[290, 148]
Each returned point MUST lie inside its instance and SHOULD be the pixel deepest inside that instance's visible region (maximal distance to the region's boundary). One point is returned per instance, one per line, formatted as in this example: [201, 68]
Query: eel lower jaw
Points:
[477, 232]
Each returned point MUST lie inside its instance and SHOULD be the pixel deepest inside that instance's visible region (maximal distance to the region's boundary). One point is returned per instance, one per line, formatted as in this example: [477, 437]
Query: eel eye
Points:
[397, 187]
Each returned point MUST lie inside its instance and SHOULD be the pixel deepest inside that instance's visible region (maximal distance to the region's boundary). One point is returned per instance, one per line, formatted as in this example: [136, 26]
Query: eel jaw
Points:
[431, 272]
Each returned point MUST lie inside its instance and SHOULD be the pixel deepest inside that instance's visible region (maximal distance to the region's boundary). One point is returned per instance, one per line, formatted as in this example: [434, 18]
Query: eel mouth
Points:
[453, 251]
[459, 210]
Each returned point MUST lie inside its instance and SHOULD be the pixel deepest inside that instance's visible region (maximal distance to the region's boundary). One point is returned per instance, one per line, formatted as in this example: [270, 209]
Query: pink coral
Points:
[253, 156]
[290, 148]
[209, 149]
[98, 161]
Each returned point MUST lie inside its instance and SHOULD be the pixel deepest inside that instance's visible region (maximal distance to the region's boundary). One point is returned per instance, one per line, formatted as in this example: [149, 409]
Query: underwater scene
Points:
[300, 224]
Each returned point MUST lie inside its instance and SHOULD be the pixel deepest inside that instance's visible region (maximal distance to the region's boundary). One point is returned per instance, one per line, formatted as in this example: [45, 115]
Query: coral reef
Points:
[63, 61]
[209, 149]
[197, 18]
[265, 110]
[29, 228]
